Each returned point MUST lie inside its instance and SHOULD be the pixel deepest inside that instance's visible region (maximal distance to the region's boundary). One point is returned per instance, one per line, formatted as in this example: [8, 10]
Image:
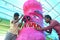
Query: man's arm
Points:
[52, 25]
[18, 19]
[20, 24]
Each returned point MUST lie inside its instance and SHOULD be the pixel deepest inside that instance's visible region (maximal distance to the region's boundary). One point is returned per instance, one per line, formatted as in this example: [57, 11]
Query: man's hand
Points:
[21, 16]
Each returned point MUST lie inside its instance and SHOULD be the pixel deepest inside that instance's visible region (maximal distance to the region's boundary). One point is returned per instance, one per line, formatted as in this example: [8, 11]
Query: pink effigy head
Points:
[31, 6]
[33, 9]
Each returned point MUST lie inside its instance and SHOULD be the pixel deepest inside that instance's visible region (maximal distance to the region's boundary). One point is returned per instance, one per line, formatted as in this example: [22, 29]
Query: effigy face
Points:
[37, 17]
[30, 7]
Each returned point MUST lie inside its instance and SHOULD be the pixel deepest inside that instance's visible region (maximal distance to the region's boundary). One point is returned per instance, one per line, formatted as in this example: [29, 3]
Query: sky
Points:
[9, 7]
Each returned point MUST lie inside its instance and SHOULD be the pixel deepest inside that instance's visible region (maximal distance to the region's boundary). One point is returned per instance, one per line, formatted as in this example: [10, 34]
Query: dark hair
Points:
[16, 14]
[47, 16]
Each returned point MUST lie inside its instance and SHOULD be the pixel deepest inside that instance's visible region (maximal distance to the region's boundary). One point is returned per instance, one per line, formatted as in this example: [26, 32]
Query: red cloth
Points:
[31, 24]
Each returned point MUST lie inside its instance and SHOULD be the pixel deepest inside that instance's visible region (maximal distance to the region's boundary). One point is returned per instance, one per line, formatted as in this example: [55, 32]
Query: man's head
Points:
[16, 16]
[47, 18]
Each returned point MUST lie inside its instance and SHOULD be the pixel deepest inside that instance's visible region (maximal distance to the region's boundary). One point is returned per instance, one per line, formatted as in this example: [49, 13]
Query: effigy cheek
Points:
[36, 18]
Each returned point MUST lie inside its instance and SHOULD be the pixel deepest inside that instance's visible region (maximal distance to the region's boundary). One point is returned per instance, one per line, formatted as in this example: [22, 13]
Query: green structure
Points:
[4, 26]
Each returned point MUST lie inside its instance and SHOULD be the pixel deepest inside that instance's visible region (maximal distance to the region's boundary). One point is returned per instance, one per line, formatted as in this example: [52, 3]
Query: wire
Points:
[6, 9]
[6, 14]
[12, 4]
